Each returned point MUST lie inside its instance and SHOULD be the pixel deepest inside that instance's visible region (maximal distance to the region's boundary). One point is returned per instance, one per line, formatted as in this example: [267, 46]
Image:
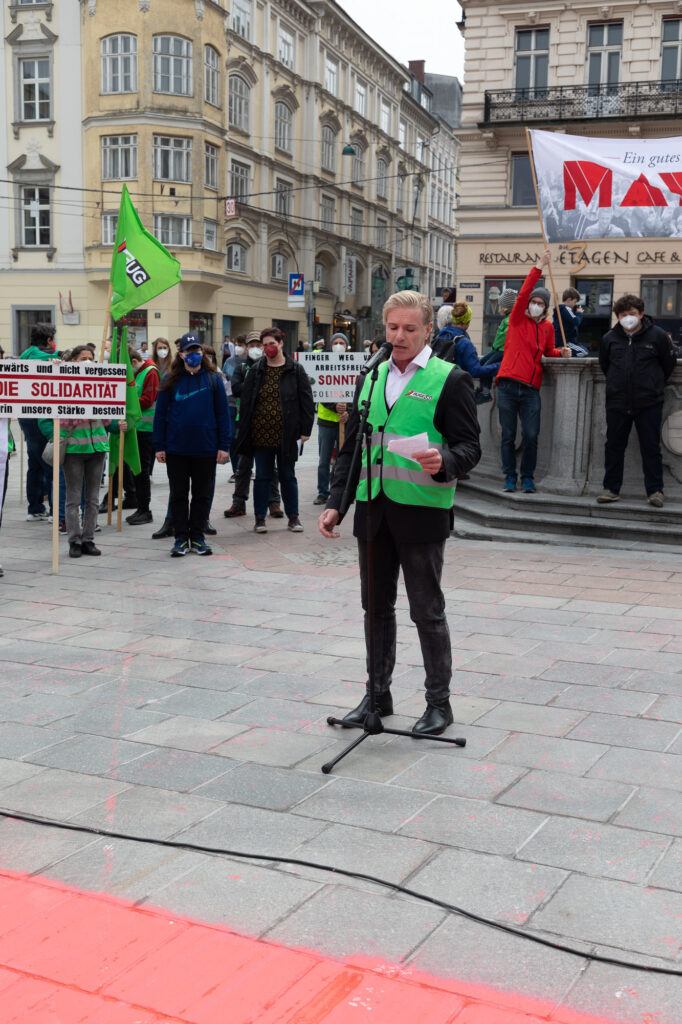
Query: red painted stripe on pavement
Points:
[80, 958]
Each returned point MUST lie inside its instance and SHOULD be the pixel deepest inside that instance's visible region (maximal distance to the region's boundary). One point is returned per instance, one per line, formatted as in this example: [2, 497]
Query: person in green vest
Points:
[38, 473]
[147, 382]
[329, 416]
[416, 394]
[87, 444]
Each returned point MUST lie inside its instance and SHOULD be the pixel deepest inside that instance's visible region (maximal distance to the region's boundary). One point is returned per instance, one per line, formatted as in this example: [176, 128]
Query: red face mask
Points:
[271, 350]
[51, 346]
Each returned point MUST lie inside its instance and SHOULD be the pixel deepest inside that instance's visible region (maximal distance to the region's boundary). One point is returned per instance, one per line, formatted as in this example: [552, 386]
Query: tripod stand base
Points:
[377, 727]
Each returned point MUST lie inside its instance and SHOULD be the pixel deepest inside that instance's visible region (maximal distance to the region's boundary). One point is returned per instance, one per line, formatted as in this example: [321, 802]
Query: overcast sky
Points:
[422, 30]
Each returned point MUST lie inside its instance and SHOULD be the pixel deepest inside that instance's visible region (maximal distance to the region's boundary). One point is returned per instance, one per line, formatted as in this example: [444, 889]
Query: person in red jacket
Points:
[530, 336]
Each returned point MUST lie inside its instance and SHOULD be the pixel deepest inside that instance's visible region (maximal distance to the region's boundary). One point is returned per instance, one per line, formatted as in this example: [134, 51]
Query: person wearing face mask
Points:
[530, 336]
[87, 443]
[276, 412]
[191, 435]
[161, 356]
[636, 357]
[38, 473]
[243, 473]
[329, 416]
[230, 364]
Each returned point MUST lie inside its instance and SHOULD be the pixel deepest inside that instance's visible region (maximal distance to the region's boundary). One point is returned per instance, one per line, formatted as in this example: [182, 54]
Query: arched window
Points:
[382, 179]
[211, 77]
[279, 266]
[173, 65]
[236, 258]
[329, 148]
[239, 103]
[283, 127]
[119, 63]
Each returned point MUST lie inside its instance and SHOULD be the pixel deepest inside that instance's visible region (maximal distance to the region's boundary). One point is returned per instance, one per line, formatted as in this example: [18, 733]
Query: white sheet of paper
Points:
[408, 446]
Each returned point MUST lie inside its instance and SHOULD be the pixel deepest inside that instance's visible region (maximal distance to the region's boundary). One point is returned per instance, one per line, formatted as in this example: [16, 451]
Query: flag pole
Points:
[544, 237]
[57, 441]
[107, 317]
[121, 439]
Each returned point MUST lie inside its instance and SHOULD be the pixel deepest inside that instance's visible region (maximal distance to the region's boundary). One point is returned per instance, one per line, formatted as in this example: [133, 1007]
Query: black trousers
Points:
[189, 516]
[648, 426]
[143, 488]
[128, 483]
[422, 566]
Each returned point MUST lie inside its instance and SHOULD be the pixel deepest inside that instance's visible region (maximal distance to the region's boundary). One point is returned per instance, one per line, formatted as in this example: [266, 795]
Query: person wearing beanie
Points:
[454, 345]
[530, 336]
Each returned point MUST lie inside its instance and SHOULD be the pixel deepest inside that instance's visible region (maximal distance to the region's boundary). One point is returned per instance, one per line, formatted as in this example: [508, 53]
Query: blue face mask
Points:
[194, 359]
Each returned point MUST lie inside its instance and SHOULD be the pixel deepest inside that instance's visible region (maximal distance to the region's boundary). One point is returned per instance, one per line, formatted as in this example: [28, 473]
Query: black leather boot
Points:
[435, 720]
[356, 717]
[165, 530]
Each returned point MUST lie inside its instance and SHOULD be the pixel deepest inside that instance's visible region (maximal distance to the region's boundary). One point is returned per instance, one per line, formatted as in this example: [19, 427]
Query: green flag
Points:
[131, 452]
[141, 268]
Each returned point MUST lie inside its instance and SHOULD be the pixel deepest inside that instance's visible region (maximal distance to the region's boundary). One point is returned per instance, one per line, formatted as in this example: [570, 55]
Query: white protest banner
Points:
[333, 376]
[41, 389]
[608, 188]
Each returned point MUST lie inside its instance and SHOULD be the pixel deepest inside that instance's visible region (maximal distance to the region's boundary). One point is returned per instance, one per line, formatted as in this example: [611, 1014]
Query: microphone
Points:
[382, 353]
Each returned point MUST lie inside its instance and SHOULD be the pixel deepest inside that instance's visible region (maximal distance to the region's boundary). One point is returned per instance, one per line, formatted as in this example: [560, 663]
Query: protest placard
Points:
[333, 376]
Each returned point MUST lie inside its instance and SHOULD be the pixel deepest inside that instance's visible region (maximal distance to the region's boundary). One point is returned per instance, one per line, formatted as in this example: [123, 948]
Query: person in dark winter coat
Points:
[571, 313]
[276, 412]
[636, 357]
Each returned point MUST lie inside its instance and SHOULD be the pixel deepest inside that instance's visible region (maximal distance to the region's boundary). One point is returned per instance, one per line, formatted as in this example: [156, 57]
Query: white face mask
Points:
[630, 322]
[255, 353]
[536, 309]
[162, 353]
[239, 350]
[338, 348]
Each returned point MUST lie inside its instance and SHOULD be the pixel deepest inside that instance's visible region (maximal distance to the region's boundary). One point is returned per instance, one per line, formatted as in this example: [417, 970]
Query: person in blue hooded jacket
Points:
[454, 345]
[191, 435]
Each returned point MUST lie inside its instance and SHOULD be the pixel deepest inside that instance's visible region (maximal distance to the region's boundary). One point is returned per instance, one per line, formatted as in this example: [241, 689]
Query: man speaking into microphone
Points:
[415, 394]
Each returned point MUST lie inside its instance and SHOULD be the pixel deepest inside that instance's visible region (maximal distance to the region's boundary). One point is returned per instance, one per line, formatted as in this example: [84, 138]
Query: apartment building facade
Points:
[285, 107]
[611, 70]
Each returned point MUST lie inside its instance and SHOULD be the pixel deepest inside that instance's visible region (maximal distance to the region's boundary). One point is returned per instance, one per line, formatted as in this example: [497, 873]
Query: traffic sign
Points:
[296, 297]
[230, 207]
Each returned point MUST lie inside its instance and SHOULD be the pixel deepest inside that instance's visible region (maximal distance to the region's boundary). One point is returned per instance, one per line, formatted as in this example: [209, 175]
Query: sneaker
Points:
[200, 547]
[527, 485]
[139, 518]
[62, 525]
[180, 548]
[233, 511]
[98, 528]
[89, 548]
[482, 397]
[260, 526]
[295, 525]
[38, 517]
[320, 500]
[210, 529]
[103, 507]
[607, 496]
[2, 572]
[656, 499]
[232, 479]
[276, 512]
[75, 549]
[509, 483]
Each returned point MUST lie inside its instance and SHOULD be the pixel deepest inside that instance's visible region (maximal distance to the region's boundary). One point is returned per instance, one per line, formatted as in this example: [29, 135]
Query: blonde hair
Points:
[409, 300]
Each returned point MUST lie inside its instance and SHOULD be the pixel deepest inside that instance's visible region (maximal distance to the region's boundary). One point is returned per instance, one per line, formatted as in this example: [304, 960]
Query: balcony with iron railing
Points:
[584, 102]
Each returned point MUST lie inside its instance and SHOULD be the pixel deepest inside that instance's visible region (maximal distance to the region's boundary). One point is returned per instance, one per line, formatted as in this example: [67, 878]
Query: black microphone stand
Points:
[373, 724]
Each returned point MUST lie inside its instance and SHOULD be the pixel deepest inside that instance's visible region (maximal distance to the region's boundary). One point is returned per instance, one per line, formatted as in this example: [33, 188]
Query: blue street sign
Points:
[296, 284]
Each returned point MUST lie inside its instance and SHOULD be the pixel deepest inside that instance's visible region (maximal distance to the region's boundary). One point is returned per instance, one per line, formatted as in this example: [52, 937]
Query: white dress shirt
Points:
[396, 381]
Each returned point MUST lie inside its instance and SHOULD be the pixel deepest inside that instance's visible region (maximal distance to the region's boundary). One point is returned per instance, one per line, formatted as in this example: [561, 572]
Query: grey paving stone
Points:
[567, 795]
[653, 810]
[214, 677]
[366, 851]
[41, 708]
[130, 693]
[59, 794]
[600, 850]
[668, 874]
[586, 674]
[199, 703]
[473, 825]
[367, 804]
[189, 733]
[481, 741]
[649, 661]
[668, 709]
[624, 996]
[22, 740]
[293, 661]
[274, 788]
[475, 779]
[94, 755]
[16, 771]
[121, 867]
[654, 682]
[28, 848]
[648, 768]
[113, 720]
[606, 699]
[272, 746]
[275, 713]
[361, 923]
[464, 949]
[642, 919]
[516, 688]
[239, 828]
[286, 687]
[464, 709]
[143, 811]
[182, 770]
[549, 753]
[243, 897]
[531, 719]
[621, 731]
[494, 887]
[379, 759]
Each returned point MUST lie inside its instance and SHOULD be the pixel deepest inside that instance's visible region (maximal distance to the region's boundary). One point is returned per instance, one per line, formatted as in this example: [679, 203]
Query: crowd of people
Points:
[256, 410]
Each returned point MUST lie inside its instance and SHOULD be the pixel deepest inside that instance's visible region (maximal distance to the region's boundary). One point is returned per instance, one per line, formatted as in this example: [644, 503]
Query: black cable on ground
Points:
[195, 848]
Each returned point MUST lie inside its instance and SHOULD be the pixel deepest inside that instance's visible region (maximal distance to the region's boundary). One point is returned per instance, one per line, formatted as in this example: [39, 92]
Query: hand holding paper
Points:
[416, 449]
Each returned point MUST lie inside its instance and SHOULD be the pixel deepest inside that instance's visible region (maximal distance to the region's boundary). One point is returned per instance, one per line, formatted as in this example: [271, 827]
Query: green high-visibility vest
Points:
[86, 439]
[400, 479]
[326, 414]
[146, 420]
